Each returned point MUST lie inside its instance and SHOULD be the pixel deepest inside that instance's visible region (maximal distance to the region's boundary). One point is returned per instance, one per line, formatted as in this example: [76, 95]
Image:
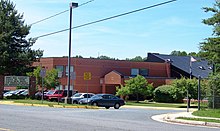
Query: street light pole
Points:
[69, 57]
[199, 92]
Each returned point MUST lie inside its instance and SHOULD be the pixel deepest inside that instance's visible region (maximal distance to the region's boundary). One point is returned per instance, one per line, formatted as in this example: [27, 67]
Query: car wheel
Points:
[94, 104]
[107, 107]
[75, 102]
[117, 106]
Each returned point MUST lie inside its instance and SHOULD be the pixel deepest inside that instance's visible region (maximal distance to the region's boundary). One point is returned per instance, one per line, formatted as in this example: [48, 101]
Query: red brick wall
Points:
[112, 78]
[99, 68]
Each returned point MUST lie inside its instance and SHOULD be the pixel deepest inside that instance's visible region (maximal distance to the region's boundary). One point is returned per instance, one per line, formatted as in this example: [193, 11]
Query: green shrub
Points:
[165, 93]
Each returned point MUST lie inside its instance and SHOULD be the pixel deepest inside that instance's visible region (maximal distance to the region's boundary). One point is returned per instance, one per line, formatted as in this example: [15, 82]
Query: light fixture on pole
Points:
[72, 5]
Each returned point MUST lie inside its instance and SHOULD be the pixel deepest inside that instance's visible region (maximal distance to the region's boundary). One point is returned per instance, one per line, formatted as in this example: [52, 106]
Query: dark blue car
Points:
[104, 100]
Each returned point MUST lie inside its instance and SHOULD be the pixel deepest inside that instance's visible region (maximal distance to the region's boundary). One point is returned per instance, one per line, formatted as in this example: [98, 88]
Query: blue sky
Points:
[174, 26]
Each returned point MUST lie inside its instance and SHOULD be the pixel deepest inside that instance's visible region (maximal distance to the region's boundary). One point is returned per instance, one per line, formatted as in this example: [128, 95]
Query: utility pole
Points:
[199, 92]
[69, 57]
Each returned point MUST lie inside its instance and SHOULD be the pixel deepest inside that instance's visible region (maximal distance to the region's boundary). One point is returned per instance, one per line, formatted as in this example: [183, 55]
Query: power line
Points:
[112, 17]
[59, 13]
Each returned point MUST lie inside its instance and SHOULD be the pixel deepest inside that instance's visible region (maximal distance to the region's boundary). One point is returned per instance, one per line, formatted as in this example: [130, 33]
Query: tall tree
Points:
[16, 55]
[210, 48]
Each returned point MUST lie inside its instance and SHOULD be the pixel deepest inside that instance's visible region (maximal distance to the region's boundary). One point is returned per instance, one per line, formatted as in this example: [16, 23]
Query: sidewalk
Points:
[172, 118]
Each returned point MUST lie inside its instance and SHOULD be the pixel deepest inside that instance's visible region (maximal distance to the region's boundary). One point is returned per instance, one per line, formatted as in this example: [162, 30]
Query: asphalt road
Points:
[22, 118]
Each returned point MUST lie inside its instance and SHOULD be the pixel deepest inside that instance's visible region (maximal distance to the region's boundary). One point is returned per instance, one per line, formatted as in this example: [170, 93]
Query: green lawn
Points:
[48, 103]
[199, 119]
[208, 113]
[155, 104]
[29, 101]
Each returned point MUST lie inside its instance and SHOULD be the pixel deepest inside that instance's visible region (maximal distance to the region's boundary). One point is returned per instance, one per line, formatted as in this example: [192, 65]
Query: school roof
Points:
[200, 66]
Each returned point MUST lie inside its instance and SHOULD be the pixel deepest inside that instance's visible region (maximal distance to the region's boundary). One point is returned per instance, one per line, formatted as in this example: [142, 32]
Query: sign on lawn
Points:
[12, 81]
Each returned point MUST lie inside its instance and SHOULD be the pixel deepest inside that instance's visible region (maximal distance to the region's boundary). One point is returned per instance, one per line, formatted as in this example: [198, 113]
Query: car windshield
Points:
[58, 92]
[77, 95]
[10, 92]
[50, 92]
[96, 96]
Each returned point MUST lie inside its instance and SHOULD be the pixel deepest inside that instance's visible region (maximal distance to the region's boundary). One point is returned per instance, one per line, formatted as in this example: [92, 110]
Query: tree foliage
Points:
[165, 93]
[183, 84]
[136, 86]
[51, 79]
[210, 48]
[103, 57]
[137, 58]
[178, 53]
[16, 55]
[178, 90]
[214, 85]
[213, 90]
[184, 53]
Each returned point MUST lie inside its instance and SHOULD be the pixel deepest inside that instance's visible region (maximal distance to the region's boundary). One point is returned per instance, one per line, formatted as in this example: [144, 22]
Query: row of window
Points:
[61, 68]
[142, 72]
[134, 71]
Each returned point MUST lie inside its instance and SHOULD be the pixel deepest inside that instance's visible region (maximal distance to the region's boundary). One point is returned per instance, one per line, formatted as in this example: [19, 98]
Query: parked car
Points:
[59, 94]
[14, 94]
[24, 94]
[104, 100]
[78, 96]
[38, 95]
[46, 94]
[9, 93]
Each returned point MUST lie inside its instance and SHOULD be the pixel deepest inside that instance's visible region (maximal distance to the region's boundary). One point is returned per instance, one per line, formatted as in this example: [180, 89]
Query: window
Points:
[71, 69]
[144, 72]
[105, 97]
[134, 72]
[59, 68]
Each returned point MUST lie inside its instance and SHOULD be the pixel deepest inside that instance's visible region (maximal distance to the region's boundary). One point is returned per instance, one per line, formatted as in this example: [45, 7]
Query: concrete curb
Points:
[48, 105]
[171, 118]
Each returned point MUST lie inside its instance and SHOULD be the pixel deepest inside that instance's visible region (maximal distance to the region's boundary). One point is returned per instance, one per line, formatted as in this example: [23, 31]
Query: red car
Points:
[58, 94]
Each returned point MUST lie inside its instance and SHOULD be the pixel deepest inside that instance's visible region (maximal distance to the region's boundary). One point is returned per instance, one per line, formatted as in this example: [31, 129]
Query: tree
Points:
[210, 48]
[78, 56]
[136, 86]
[137, 58]
[36, 74]
[51, 79]
[16, 55]
[182, 85]
[102, 57]
[213, 89]
[178, 53]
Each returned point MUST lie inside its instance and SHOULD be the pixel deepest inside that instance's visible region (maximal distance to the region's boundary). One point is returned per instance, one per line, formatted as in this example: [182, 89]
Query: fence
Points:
[212, 102]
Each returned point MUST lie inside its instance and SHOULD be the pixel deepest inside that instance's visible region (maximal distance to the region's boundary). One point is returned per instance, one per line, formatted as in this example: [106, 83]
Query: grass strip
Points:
[155, 104]
[53, 104]
[199, 119]
[208, 113]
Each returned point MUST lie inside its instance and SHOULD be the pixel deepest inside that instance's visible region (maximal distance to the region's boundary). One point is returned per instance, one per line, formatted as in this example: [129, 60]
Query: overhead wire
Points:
[108, 18]
[58, 13]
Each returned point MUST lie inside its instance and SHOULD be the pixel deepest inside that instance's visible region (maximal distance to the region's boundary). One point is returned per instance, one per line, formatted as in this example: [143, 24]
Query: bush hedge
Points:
[165, 93]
